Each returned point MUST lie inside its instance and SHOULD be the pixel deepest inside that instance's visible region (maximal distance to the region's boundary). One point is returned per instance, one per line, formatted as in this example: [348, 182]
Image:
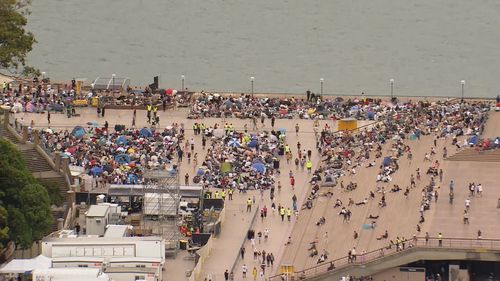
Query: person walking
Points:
[244, 270]
[282, 213]
[289, 214]
[249, 204]
[254, 273]
[242, 252]
[226, 275]
[440, 239]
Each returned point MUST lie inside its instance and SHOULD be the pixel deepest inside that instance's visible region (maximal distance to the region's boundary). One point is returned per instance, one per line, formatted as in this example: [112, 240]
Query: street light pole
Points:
[391, 81]
[463, 88]
[113, 76]
[321, 80]
[182, 78]
[251, 82]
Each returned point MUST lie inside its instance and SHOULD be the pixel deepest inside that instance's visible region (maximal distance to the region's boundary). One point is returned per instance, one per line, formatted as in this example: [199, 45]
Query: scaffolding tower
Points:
[161, 197]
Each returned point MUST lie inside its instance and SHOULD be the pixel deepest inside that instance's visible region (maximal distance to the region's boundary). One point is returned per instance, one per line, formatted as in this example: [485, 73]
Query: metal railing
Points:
[391, 250]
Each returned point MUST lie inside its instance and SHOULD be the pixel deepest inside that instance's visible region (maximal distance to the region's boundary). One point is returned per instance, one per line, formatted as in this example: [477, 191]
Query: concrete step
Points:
[7, 135]
[56, 214]
[478, 156]
[53, 178]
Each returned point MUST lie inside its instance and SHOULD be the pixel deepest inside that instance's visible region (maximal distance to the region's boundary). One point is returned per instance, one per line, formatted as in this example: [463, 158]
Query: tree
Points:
[26, 202]
[15, 41]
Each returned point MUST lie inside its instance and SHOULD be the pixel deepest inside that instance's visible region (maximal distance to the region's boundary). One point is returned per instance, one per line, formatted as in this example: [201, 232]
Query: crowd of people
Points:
[314, 107]
[344, 154]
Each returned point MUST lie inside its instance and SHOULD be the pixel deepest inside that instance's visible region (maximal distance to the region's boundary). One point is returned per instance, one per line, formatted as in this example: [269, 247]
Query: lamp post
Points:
[462, 83]
[321, 80]
[251, 82]
[182, 79]
[391, 82]
[113, 76]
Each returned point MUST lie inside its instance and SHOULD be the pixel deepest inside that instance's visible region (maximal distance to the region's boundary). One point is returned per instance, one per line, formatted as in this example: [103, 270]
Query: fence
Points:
[378, 254]
[203, 254]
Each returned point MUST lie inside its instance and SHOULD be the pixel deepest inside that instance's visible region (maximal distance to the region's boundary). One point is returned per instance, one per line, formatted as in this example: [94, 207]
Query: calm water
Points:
[427, 47]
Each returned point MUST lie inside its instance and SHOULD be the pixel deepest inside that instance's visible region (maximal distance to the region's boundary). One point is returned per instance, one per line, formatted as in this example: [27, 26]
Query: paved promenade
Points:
[399, 218]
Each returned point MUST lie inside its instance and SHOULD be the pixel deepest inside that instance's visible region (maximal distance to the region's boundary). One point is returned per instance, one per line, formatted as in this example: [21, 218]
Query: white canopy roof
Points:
[24, 265]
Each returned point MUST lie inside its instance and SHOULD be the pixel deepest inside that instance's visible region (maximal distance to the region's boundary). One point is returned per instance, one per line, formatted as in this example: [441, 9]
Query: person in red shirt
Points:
[292, 181]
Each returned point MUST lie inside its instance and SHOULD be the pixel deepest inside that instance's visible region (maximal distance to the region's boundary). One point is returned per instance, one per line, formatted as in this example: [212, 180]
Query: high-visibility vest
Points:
[309, 164]
[282, 211]
[223, 194]
[289, 212]
[216, 195]
[249, 202]
[149, 107]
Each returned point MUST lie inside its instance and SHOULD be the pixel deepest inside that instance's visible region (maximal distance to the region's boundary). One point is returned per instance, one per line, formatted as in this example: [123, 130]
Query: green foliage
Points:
[26, 202]
[15, 41]
[55, 195]
[4, 229]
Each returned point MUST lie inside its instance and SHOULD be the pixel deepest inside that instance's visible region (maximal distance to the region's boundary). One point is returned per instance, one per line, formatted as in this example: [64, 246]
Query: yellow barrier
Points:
[80, 103]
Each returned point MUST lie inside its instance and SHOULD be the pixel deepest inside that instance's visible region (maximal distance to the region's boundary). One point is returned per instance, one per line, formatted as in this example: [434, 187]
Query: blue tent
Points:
[78, 131]
[473, 140]
[145, 133]
[96, 170]
[122, 159]
[234, 143]
[253, 143]
[259, 167]
[387, 161]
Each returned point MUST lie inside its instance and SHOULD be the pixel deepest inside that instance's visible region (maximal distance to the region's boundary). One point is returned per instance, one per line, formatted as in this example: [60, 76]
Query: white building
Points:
[96, 219]
[121, 258]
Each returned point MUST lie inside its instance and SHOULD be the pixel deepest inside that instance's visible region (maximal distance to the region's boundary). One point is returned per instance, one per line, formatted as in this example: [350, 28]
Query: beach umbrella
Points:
[121, 140]
[122, 159]
[78, 132]
[145, 132]
[234, 143]
[169, 92]
[259, 167]
[108, 168]
[226, 167]
[387, 161]
[473, 140]
[72, 149]
[253, 143]
[132, 178]
[96, 170]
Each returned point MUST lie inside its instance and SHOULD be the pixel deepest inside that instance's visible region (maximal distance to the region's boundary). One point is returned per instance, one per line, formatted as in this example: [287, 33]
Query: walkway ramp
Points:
[383, 259]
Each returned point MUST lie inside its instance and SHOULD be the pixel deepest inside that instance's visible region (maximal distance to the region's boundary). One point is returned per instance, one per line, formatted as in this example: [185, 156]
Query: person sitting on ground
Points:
[362, 202]
[322, 258]
[373, 217]
[371, 164]
[289, 241]
[321, 221]
[314, 252]
[383, 236]
[396, 188]
[332, 266]
[338, 203]
[355, 235]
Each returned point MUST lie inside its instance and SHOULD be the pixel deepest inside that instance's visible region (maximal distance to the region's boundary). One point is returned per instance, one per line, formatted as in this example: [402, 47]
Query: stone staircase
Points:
[471, 154]
[40, 169]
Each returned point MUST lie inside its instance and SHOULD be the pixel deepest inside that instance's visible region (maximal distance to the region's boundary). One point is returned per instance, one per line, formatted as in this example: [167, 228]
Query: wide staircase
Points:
[471, 154]
[40, 169]
[382, 259]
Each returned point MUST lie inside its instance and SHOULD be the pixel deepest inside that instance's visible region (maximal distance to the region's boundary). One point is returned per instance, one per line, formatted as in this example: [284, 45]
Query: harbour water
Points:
[426, 46]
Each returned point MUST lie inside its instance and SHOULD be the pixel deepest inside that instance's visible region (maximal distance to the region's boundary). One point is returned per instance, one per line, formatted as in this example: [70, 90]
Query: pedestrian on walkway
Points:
[440, 239]
[289, 214]
[254, 273]
[249, 204]
[244, 270]
[282, 213]
[242, 252]
[226, 275]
